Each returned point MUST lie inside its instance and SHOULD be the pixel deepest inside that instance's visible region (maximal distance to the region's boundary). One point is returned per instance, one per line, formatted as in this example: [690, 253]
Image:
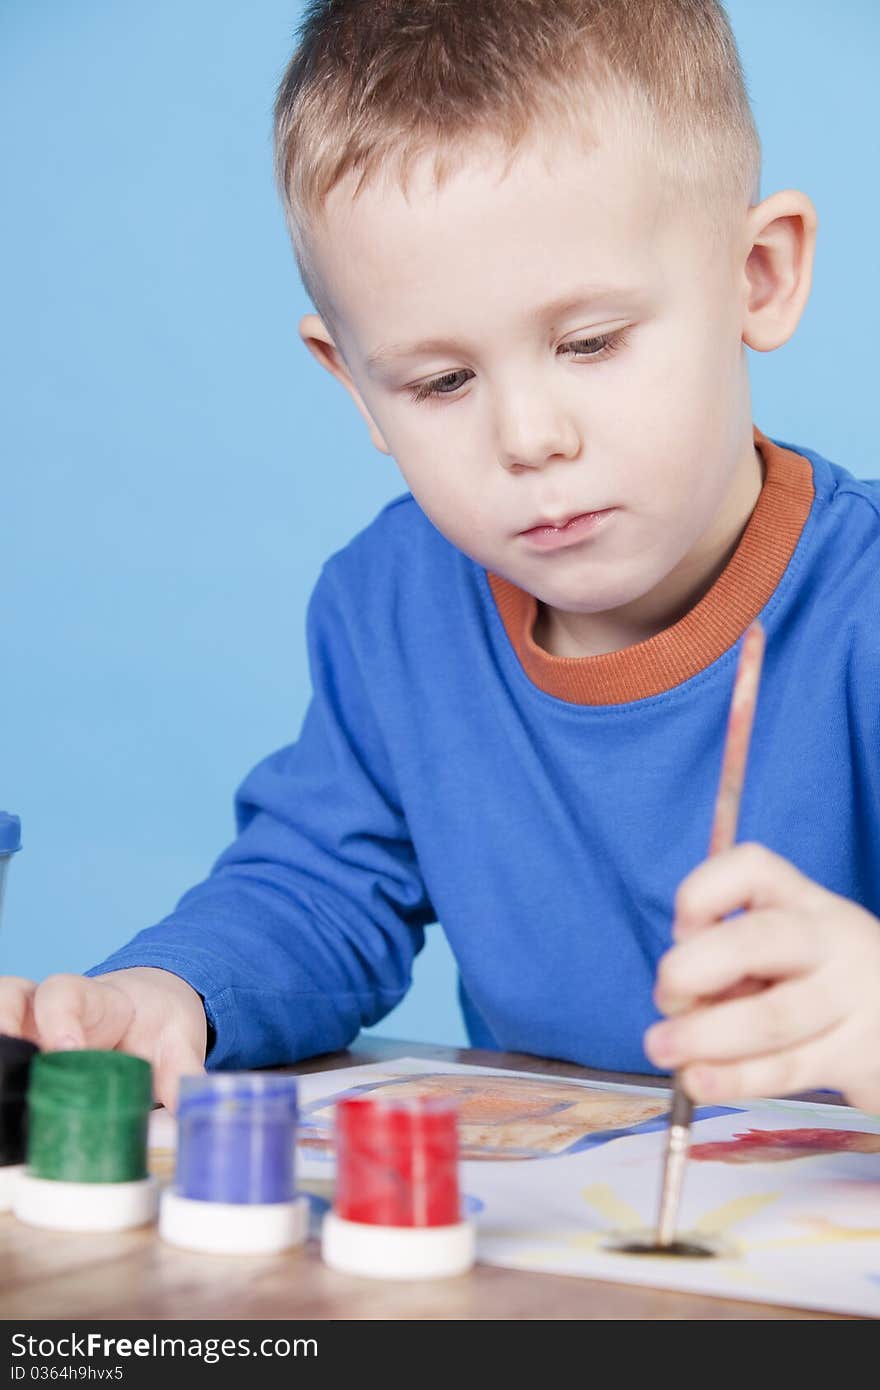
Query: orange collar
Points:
[708, 630]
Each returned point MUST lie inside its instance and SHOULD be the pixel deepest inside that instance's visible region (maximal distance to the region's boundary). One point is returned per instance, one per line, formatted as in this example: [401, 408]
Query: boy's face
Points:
[520, 420]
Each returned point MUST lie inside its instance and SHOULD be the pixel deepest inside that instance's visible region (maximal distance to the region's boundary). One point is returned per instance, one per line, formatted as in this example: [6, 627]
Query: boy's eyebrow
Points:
[556, 308]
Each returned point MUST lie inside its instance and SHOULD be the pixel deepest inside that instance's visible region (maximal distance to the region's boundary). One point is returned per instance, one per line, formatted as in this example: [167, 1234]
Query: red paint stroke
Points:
[782, 1145]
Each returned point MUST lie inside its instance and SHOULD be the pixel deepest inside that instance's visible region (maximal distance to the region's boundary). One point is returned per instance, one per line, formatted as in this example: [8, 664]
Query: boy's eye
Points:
[590, 348]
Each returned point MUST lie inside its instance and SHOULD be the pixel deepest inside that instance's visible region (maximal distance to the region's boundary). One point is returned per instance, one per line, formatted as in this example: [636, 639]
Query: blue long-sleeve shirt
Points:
[543, 809]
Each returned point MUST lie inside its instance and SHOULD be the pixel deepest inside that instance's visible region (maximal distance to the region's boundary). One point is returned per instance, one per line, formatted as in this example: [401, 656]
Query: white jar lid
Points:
[397, 1252]
[233, 1228]
[85, 1206]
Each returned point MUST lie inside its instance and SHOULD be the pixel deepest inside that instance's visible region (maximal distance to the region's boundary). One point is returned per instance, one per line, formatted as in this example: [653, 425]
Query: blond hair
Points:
[375, 84]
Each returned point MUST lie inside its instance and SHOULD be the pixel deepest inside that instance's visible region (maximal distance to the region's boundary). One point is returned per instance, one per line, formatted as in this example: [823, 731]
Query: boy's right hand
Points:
[148, 1012]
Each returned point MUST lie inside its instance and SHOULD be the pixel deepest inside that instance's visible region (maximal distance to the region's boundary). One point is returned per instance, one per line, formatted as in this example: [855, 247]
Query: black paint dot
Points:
[683, 1249]
[689, 1245]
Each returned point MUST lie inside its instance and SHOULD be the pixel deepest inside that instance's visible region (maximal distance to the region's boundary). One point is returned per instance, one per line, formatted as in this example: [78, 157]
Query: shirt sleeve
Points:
[307, 927]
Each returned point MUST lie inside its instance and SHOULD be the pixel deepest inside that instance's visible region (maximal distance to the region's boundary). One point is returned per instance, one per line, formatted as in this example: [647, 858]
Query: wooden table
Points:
[132, 1274]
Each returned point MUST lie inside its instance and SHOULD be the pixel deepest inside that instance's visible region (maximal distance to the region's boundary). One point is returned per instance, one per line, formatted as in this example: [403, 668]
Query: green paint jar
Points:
[87, 1117]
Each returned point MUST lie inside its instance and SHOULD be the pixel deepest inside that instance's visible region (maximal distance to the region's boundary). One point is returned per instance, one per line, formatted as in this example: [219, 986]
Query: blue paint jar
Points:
[10, 843]
[234, 1191]
[236, 1138]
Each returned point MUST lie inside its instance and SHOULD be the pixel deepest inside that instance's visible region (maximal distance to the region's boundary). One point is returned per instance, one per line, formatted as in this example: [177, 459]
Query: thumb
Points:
[176, 1056]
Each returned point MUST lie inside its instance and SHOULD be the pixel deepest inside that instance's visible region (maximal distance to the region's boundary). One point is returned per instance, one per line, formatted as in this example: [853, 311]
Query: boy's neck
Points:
[591, 634]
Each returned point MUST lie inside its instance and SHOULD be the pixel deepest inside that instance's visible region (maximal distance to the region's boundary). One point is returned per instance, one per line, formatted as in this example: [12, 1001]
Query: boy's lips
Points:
[549, 536]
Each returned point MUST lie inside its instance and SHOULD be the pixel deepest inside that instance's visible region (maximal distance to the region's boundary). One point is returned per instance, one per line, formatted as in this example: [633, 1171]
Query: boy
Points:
[533, 235]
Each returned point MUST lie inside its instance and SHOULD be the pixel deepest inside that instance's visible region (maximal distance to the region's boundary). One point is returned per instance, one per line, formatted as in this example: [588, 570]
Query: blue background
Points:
[176, 466]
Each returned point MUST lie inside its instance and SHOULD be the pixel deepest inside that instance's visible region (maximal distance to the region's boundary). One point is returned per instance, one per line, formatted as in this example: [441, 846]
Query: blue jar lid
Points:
[10, 833]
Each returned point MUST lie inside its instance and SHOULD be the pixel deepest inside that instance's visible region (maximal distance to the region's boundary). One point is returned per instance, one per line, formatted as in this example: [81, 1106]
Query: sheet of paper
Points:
[552, 1167]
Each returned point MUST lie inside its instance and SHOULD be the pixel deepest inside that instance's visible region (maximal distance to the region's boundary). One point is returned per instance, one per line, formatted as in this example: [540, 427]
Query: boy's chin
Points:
[579, 596]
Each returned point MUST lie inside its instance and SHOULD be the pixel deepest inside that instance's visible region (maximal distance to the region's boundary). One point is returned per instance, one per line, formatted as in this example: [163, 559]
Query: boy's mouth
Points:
[549, 537]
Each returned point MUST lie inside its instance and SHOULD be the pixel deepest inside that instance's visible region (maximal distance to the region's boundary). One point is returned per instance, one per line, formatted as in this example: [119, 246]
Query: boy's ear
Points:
[320, 344]
[780, 247]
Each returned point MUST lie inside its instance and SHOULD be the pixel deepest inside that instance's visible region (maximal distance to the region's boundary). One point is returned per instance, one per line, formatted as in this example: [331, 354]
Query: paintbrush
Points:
[736, 749]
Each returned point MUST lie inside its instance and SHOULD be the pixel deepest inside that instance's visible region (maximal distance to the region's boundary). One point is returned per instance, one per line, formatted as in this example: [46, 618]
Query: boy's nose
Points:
[534, 433]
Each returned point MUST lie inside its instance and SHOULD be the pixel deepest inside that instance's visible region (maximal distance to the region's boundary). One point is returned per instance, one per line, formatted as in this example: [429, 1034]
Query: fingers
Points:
[75, 1011]
[765, 945]
[783, 1073]
[747, 876]
[775, 1019]
[176, 1056]
[864, 1095]
[16, 1014]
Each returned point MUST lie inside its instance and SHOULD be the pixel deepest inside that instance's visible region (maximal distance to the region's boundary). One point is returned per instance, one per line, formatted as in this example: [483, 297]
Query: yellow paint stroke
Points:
[607, 1203]
[560, 1249]
[549, 1246]
[733, 1212]
[552, 1246]
[825, 1234]
[624, 1217]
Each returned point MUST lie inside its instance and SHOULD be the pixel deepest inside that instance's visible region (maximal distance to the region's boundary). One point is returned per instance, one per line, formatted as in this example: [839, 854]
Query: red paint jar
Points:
[397, 1161]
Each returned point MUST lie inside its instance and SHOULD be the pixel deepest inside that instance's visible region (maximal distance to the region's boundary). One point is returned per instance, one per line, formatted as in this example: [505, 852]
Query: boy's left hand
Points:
[784, 997]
